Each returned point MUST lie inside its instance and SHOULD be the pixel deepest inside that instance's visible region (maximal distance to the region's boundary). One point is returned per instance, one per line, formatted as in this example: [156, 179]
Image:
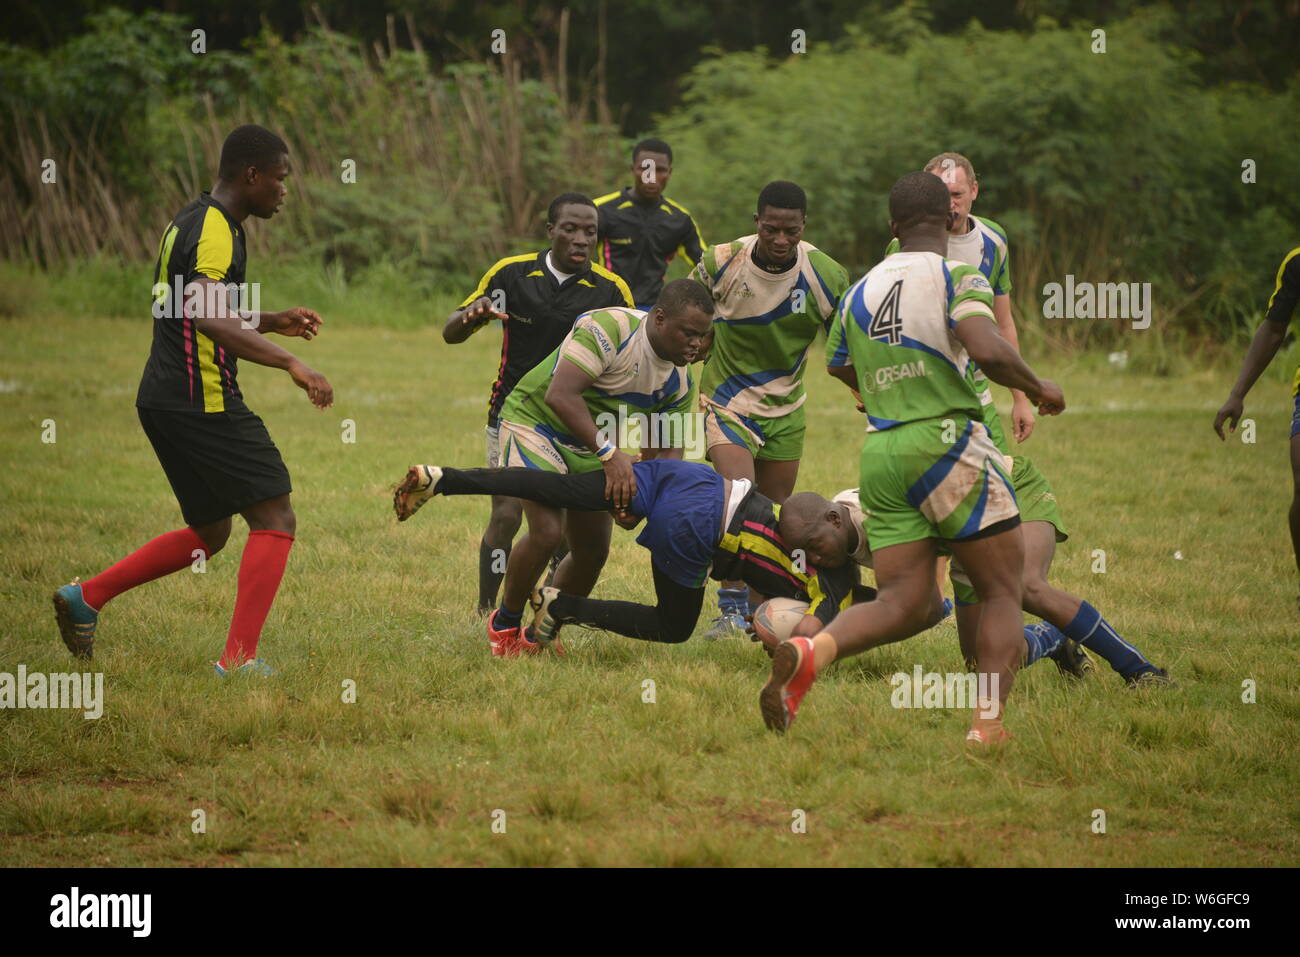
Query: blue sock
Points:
[1095, 633]
[505, 618]
[1043, 639]
[733, 601]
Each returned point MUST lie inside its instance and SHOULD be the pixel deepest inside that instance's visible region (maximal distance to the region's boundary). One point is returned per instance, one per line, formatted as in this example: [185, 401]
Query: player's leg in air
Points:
[682, 503]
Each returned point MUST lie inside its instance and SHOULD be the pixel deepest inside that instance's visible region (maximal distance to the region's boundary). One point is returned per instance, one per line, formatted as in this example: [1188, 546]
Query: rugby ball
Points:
[775, 620]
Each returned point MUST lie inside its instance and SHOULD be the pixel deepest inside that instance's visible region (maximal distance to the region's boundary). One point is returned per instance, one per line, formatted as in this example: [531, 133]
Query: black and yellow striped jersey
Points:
[1286, 289]
[638, 240]
[752, 551]
[540, 311]
[1286, 294]
[187, 371]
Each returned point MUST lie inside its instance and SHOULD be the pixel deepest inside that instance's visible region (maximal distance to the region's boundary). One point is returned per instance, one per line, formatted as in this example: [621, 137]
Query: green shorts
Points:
[937, 478]
[536, 446]
[1035, 496]
[1037, 504]
[775, 439]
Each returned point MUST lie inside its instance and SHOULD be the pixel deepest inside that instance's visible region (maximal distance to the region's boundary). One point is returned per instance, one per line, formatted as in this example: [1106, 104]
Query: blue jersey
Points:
[682, 503]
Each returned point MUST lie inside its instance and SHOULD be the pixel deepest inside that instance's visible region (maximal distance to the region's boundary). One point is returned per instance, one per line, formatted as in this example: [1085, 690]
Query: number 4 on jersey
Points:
[886, 323]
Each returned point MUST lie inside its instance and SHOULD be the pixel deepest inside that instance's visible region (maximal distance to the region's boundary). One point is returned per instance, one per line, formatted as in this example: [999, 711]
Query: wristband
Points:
[606, 452]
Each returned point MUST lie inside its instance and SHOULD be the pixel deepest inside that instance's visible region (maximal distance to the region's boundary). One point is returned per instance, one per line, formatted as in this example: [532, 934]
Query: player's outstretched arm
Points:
[299, 321]
[234, 333]
[1268, 339]
[464, 322]
[564, 395]
[1003, 364]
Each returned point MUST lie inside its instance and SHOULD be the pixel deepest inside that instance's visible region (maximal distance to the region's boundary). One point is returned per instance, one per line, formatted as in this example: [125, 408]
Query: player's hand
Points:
[1050, 400]
[620, 480]
[1230, 413]
[317, 387]
[480, 312]
[298, 321]
[1022, 419]
[625, 519]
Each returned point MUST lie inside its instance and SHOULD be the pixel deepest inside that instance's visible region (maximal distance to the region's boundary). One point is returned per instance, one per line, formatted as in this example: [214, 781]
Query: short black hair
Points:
[783, 194]
[918, 197]
[799, 515]
[681, 294]
[566, 199]
[652, 145]
[246, 146]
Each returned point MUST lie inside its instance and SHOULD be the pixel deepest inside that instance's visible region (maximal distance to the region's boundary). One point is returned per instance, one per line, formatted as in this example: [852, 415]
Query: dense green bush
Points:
[1116, 166]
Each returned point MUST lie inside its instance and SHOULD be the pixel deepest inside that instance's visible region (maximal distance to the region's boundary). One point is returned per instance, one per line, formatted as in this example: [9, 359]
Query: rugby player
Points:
[540, 295]
[695, 521]
[929, 471]
[1268, 339]
[982, 243]
[216, 454]
[614, 360]
[774, 292]
[641, 229]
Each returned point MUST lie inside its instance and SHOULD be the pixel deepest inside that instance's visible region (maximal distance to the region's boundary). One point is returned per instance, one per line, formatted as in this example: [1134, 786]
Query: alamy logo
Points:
[954, 690]
[176, 301]
[1106, 300]
[664, 430]
[103, 910]
[79, 691]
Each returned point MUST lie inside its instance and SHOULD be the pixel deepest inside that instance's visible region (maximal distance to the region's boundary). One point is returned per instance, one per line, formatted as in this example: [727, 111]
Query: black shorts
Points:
[218, 463]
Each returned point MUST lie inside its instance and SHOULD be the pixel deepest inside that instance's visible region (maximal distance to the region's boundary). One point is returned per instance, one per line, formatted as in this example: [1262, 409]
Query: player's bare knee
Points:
[504, 523]
[545, 535]
[592, 555]
[278, 518]
[214, 536]
[1034, 589]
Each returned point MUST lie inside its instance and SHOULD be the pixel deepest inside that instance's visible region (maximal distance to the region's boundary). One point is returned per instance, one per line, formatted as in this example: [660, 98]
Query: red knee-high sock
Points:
[260, 571]
[162, 556]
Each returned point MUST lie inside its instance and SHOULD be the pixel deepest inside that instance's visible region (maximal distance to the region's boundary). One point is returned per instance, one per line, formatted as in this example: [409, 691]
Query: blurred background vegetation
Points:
[1122, 166]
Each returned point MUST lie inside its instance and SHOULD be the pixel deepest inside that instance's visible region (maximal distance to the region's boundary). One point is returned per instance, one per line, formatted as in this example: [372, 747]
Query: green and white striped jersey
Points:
[984, 247]
[610, 345]
[896, 327]
[764, 324]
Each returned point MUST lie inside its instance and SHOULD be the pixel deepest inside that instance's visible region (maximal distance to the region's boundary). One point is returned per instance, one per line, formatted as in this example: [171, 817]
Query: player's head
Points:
[254, 163]
[918, 203]
[822, 529]
[571, 227]
[958, 175]
[680, 321]
[779, 221]
[652, 164]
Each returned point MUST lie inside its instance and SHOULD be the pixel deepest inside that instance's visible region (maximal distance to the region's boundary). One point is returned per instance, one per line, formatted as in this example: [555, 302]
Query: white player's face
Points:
[961, 196]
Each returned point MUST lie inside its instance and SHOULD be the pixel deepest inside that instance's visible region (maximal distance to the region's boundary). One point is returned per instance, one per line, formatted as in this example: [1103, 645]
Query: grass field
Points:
[441, 735]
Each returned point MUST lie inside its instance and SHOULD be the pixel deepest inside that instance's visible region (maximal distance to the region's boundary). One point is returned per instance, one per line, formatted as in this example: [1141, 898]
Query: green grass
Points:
[441, 735]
